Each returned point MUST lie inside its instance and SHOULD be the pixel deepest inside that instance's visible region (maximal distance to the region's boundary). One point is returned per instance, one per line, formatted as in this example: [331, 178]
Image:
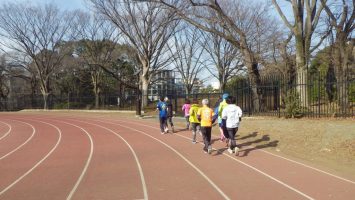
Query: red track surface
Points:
[74, 157]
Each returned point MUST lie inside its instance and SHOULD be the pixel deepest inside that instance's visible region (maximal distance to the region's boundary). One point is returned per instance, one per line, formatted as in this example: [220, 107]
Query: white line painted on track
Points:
[38, 163]
[145, 193]
[8, 132]
[245, 164]
[179, 154]
[21, 145]
[304, 165]
[296, 162]
[87, 162]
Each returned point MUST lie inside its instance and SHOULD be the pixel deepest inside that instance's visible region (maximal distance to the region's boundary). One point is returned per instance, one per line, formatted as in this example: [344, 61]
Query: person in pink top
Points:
[186, 109]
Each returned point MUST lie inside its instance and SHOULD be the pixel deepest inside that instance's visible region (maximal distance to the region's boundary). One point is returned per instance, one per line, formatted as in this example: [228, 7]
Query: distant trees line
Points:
[126, 42]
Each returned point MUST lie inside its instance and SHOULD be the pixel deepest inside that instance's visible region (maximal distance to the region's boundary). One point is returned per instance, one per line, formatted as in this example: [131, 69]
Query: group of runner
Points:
[200, 119]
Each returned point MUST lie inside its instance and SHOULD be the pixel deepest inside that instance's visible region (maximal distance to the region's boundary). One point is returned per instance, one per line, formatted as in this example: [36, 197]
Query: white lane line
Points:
[8, 132]
[144, 186]
[87, 162]
[296, 162]
[179, 154]
[255, 169]
[38, 163]
[21, 145]
[304, 165]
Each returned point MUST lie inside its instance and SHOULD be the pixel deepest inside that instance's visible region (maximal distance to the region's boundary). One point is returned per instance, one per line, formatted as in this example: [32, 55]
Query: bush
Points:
[293, 105]
[72, 105]
[60, 106]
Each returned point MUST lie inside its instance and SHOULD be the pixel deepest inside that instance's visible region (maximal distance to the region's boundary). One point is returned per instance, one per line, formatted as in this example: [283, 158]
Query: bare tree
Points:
[236, 22]
[226, 59]
[282, 57]
[19, 67]
[147, 27]
[306, 14]
[187, 52]
[282, 63]
[342, 22]
[96, 48]
[4, 87]
[37, 32]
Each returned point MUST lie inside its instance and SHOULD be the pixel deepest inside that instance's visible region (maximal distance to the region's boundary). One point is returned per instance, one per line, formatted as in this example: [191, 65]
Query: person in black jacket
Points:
[169, 120]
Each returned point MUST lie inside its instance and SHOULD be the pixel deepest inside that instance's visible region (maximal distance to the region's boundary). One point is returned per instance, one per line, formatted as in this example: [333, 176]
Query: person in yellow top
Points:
[222, 122]
[207, 117]
[195, 123]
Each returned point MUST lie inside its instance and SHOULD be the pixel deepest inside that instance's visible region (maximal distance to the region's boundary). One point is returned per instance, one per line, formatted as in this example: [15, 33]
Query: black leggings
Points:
[162, 121]
[232, 132]
[206, 134]
[170, 120]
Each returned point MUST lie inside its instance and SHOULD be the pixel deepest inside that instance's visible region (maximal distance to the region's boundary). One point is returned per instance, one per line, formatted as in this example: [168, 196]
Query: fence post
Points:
[68, 100]
[318, 94]
[250, 98]
[279, 97]
[176, 102]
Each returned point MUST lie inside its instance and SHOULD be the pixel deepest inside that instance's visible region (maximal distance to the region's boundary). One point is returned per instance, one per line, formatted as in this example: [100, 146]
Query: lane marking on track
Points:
[293, 161]
[304, 165]
[245, 164]
[180, 155]
[23, 144]
[290, 160]
[144, 186]
[87, 162]
[8, 132]
[38, 163]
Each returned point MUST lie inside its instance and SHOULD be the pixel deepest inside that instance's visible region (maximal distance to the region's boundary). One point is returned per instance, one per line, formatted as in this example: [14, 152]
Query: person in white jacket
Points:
[232, 114]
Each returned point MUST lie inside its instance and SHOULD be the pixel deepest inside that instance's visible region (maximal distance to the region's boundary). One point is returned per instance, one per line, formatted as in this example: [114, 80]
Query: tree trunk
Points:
[145, 85]
[330, 81]
[302, 87]
[97, 94]
[188, 91]
[44, 86]
[222, 86]
[301, 70]
[97, 99]
[341, 73]
[45, 100]
[255, 81]
[342, 93]
[138, 103]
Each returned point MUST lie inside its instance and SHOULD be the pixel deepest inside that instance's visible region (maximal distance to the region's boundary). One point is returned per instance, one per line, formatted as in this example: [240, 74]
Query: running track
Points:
[72, 156]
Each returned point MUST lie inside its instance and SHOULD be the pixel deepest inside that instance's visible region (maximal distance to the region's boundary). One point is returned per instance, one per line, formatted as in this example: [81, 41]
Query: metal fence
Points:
[317, 96]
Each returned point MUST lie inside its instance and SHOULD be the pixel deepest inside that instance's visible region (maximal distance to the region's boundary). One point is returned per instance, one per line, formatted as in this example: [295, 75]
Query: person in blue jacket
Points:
[163, 114]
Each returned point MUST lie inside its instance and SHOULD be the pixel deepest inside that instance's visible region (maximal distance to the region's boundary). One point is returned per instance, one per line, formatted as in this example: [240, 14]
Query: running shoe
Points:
[209, 150]
[236, 151]
[230, 151]
[205, 150]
